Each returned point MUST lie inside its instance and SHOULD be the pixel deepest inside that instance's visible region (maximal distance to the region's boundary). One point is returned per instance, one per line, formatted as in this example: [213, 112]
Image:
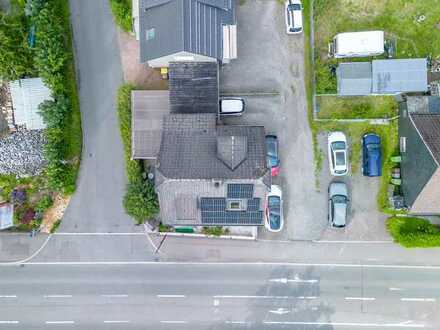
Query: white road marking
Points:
[216, 302]
[350, 324]
[360, 298]
[395, 289]
[280, 311]
[117, 321]
[171, 296]
[60, 322]
[174, 322]
[294, 280]
[264, 297]
[236, 322]
[13, 263]
[9, 322]
[115, 295]
[99, 234]
[355, 242]
[8, 296]
[419, 299]
[58, 296]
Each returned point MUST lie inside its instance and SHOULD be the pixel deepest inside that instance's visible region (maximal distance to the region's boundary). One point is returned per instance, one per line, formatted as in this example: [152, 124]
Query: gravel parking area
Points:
[269, 74]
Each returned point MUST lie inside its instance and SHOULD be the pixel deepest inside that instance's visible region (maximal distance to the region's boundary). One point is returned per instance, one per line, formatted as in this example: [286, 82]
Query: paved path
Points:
[97, 203]
[217, 297]
[19, 246]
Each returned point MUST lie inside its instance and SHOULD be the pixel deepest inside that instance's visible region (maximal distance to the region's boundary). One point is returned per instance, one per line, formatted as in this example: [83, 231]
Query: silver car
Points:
[337, 204]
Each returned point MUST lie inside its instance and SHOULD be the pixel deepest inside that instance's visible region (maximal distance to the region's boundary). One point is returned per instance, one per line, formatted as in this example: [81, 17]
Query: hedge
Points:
[122, 12]
[414, 232]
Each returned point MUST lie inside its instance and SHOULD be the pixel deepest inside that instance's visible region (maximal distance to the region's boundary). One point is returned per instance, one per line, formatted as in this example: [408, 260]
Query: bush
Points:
[15, 56]
[44, 203]
[414, 232]
[215, 231]
[140, 201]
[122, 12]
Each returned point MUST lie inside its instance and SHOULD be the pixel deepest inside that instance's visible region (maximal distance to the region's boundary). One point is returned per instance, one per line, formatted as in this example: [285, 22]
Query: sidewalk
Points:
[19, 246]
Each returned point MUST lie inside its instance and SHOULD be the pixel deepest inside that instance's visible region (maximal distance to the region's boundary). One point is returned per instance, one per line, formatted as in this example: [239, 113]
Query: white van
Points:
[293, 13]
[357, 44]
[231, 106]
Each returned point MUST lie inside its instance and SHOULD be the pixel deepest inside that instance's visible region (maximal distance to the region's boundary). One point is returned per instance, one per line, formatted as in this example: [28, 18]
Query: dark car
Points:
[371, 155]
[272, 158]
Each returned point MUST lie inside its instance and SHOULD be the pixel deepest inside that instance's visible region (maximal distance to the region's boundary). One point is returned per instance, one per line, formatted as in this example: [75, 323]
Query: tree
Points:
[15, 55]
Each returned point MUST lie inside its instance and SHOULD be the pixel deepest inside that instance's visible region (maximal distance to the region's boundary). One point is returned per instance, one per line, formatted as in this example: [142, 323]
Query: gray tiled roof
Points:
[232, 150]
[428, 126]
[194, 26]
[399, 75]
[193, 87]
[354, 78]
[189, 149]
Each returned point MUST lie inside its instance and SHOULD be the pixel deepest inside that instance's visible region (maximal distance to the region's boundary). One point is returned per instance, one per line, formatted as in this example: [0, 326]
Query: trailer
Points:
[357, 44]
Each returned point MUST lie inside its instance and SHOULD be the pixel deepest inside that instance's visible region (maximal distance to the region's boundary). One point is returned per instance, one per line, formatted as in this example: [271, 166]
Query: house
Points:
[382, 77]
[27, 94]
[419, 136]
[206, 173]
[209, 174]
[187, 30]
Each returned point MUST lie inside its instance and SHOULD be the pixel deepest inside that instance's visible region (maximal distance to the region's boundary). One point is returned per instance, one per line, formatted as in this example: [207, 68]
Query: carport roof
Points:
[399, 76]
[148, 111]
[354, 78]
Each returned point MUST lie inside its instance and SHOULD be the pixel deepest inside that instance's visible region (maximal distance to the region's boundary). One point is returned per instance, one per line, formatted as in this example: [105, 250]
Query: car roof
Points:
[371, 138]
[340, 214]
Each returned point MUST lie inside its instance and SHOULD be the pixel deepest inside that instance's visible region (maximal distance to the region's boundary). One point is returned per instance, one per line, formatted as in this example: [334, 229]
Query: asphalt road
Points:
[97, 204]
[159, 296]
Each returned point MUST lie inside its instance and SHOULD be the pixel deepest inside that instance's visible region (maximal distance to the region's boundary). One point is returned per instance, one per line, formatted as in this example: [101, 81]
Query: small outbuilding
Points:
[6, 216]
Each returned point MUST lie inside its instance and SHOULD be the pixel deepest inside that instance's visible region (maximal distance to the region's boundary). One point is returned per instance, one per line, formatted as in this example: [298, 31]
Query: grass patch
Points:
[121, 10]
[401, 21]
[352, 107]
[414, 232]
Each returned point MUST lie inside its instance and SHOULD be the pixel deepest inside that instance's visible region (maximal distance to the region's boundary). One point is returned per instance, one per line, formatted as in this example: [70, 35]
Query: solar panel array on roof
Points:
[239, 190]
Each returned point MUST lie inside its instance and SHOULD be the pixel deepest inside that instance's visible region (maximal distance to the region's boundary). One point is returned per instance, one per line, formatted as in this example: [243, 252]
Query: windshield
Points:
[373, 147]
[339, 199]
[340, 158]
[338, 145]
[294, 6]
[274, 204]
[274, 212]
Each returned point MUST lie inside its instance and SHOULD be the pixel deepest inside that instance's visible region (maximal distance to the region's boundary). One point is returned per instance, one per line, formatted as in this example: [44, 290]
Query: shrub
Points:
[18, 196]
[414, 232]
[122, 12]
[55, 226]
[15, 56]
[140, 201]
[215, 231]
[44, 203]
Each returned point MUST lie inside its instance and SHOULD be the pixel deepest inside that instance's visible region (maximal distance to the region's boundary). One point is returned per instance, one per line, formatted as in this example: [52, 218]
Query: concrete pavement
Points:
[217, 297]
[97, 204]
[19, 246]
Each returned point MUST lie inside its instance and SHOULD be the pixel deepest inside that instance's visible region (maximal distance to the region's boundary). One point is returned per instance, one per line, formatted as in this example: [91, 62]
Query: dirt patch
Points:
[134, 72]
[54, 213]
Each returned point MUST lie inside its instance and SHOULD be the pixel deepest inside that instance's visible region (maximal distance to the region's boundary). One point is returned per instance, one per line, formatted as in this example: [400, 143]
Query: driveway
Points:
[97, 204]
[270, 71]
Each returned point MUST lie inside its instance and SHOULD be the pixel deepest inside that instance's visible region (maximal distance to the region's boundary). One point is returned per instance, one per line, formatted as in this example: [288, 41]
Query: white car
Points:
[231, 106]
[337, 153]
[274, 210]
[294, 21]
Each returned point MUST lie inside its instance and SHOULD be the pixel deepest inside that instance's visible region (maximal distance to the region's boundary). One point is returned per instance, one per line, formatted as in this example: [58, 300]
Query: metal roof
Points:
[399, 76]
[27, 94]
[148, 110]
[354, 78]
[194, 26]
[193, 87]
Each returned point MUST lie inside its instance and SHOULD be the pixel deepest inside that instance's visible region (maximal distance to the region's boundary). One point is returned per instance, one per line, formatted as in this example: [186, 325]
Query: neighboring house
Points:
[419, 134]
[382, 77]
[206, 174]
[187, 30]
[6, 216]
[27, 94]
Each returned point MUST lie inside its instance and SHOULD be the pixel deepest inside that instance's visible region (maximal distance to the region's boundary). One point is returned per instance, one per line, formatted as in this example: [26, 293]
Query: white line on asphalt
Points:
[360, 298]
[117, 321]
[356, 242]
[174, 322]
[240, 264]
[14, 263]
[9, 322]
[99, 234]
[350, 324]
[419, 299]
[115, 295]
[395, 289]
[58, 296]
[263, 297]
[8, 296]
[294, 280]
[171, 296]
[60, 322]
[235, 322]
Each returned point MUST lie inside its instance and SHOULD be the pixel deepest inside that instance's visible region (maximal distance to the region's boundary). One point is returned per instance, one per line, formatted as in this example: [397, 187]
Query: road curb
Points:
[247, 238]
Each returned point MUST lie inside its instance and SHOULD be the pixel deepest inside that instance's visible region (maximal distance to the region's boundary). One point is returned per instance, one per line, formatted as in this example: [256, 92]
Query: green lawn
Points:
[416, 35]
[352, 107]
[414, 232]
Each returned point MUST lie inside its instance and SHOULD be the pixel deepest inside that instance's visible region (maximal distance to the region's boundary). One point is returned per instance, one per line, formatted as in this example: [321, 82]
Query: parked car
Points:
[294, 21]
[274, 210]
[231, 106]
[272, 158]
[371, 155]
[337, 153]
[337, 204]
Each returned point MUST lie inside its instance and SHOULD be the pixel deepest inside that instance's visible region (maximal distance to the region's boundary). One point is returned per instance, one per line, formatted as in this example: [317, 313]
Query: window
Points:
[235, 205]
[402, 144]
[150, 34]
